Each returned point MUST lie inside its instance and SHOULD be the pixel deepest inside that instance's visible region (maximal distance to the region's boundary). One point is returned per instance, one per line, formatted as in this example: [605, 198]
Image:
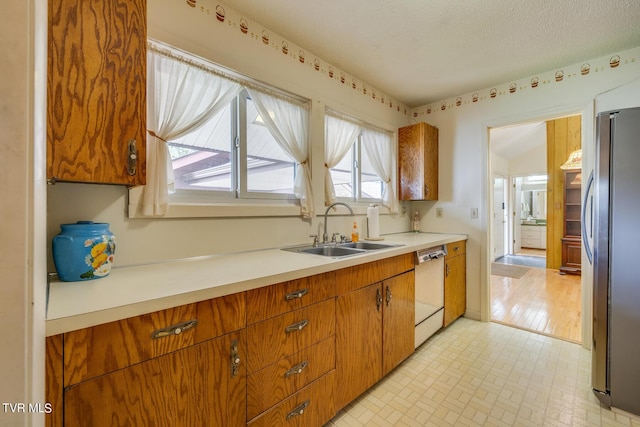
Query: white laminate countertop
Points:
[136, 290]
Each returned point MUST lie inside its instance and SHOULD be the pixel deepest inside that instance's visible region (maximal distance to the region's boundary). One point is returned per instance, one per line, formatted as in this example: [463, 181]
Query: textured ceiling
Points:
[421, 51]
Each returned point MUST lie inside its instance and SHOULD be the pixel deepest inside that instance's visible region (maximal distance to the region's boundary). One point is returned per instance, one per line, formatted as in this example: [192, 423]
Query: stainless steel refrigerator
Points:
[615, 231]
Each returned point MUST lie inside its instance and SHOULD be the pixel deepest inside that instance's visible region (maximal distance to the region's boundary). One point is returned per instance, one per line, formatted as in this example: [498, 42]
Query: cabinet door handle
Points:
[132, 158]
[426, 189]
[175, 329]
[389, 296]
[235, 358]
[296, 326]
[378, 299]
[296, 294]
[447, 270]
[298, 410]
[295, 370]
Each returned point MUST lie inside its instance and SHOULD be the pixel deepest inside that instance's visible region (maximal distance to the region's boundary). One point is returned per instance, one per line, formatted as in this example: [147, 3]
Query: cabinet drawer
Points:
[530, 234]
[105, 348]
[278, 381]
[275, 338]
[274, 300]
[456, 248]
[359, 276]
[314, 405]
[530, 243]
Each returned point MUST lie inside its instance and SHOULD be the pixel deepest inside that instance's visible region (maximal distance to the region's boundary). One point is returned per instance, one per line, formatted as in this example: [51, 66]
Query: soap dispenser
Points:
[354, 232]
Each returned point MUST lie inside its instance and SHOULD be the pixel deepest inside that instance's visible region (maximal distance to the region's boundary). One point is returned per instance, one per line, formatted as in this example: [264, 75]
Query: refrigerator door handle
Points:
[585, 238]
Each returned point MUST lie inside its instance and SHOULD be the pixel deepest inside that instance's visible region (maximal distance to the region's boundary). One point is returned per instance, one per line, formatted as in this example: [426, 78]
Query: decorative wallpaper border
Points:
[297, 55]
[300, 57]
[527, 85]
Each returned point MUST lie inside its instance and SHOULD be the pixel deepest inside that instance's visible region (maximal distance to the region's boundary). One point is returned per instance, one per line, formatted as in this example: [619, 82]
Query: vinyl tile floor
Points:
[486, 374]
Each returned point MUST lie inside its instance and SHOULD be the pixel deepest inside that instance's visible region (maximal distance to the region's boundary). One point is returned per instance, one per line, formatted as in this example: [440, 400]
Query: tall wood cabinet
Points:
[455, 278]
[572, 225]
[418, 162]
[375, 323]
[96, 91]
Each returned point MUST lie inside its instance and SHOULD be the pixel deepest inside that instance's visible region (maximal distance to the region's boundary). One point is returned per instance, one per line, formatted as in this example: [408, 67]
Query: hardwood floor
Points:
[541, 301]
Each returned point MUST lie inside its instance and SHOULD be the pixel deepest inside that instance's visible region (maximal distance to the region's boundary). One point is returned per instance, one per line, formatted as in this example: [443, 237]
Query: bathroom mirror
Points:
[534, 204]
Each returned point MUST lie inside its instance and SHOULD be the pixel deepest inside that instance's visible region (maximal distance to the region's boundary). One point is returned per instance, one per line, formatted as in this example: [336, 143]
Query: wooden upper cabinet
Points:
[96, 91]
[418, 162]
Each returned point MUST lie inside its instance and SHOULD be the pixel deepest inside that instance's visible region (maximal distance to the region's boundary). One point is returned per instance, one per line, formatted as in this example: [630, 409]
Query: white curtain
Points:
[181, 97]
[379, 147]
[339, 136]
[288, 122]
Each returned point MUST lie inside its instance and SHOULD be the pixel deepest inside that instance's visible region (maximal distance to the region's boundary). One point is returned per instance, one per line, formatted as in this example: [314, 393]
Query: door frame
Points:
[587, 113]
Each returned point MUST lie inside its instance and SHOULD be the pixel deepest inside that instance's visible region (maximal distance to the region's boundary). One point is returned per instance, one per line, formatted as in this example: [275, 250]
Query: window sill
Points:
[215, 209]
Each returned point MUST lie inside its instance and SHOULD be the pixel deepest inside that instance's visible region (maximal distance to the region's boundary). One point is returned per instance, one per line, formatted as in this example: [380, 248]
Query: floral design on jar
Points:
[100, 257]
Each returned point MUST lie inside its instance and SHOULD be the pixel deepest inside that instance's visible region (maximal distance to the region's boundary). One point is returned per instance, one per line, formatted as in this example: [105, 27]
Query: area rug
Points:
[506, 270]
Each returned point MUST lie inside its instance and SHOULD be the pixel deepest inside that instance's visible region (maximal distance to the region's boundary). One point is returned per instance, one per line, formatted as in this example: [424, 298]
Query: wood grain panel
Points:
[190, 387]
[96, 90]
[268, 341]
[352, 278]
[455, 292]
[105, 348]
[398, 325]
[358, 343]
[219, 316]
[456, 248]
[271, 385]
[270, 301]
[563, 137]
[418, 162]
[53, 380]
[318, 412]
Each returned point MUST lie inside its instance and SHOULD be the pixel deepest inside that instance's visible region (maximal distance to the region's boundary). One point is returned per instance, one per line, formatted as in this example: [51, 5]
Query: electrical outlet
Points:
[474, 213]
[439, 213]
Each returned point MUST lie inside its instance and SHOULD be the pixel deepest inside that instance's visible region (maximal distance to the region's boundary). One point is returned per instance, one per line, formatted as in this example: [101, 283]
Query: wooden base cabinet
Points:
[193, 386]
[180, 366]
[455, 288]
[374, 333]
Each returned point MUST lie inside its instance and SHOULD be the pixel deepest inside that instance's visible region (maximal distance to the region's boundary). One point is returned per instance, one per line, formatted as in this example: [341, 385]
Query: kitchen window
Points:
[233, 155]
[216, 137]
[359, 161]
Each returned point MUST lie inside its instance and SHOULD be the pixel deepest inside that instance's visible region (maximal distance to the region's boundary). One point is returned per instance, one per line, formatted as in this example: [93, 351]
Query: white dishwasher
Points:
[429, 280]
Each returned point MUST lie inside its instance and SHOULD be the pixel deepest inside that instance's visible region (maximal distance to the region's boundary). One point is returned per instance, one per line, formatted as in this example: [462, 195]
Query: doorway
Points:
[524, 293]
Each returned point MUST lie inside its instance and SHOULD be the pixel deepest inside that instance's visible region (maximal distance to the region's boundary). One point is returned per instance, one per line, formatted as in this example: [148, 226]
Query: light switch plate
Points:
[439, 213]
[474, 213]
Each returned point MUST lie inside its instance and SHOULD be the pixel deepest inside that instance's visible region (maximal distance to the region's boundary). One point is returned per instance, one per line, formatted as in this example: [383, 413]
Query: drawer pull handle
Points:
[235, 358]
[389, 296]
[296, 326]
[296, 369]
[296, 294]
[174, 330]
[298, 410]
[457, 248]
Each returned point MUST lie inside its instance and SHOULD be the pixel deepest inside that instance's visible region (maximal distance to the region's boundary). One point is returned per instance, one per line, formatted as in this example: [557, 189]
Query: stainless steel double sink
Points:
[339, 250]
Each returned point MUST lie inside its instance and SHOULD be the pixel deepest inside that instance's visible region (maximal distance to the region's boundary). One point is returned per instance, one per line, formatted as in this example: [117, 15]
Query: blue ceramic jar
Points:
[83, 251]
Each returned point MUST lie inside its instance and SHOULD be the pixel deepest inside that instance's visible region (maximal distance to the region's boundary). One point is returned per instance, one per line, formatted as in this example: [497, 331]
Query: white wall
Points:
[22, 264]
[464, 152]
